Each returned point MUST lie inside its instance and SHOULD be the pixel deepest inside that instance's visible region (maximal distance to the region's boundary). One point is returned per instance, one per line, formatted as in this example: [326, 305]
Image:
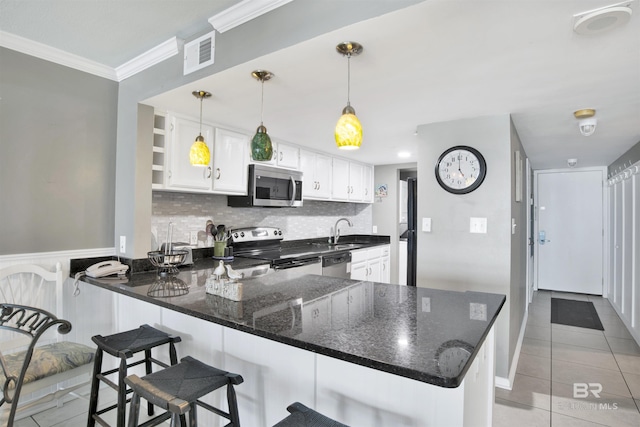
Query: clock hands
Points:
[460, 170]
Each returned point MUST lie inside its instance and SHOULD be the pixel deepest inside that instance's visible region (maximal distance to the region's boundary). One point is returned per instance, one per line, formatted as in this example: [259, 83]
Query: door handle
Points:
[542, 237]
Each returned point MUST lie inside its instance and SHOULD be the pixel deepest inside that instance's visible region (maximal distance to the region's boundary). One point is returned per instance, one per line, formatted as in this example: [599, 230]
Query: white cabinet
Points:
[284, 156]
[385, 267]
[287, 156]
[230, 162]
[180, 174]
[356, 190]
[367, 184]
[371, 264]
[172, 170]
[352, 181]
[340, 187]
[316, 182]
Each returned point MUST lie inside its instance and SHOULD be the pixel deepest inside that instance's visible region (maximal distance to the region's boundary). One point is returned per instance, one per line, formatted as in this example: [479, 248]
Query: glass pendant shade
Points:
[348, 130]
[199, 154]
[261, 146]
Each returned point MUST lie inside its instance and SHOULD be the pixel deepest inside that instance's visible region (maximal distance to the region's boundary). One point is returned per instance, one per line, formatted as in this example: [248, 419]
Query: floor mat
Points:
[575, 313]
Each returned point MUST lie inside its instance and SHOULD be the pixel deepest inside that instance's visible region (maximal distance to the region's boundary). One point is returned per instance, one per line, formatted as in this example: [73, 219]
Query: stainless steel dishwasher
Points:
[337, 265]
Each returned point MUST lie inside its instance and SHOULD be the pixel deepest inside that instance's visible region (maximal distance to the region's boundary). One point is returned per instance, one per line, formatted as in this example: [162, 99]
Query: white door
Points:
[570, 231]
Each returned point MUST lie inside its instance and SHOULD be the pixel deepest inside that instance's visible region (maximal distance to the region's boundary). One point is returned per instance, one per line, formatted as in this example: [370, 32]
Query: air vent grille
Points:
[199, 53]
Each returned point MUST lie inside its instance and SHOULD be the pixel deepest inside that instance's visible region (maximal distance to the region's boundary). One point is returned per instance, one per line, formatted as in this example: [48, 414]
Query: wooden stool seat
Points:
[301, 416]
[177, 389]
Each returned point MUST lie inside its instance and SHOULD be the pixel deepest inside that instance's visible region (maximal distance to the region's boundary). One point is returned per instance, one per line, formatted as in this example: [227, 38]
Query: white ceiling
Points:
[439, 60]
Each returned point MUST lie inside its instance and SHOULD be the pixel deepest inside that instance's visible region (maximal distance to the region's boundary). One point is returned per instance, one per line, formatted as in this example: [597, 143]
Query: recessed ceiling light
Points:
[603, 19]
[404, 154]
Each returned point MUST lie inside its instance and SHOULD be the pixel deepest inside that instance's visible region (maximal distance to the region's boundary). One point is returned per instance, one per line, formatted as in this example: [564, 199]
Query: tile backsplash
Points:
[189, 214]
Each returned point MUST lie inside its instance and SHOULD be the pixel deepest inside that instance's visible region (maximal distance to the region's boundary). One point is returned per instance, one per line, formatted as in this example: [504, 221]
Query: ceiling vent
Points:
[199, 53]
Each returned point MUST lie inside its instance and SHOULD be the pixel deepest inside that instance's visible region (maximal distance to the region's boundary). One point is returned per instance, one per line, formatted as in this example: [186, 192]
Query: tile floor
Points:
[555, 357]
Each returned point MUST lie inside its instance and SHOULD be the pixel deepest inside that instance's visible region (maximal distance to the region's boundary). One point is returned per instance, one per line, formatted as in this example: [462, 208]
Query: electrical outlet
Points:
[123, 244]
[375, 229]
[193, 238]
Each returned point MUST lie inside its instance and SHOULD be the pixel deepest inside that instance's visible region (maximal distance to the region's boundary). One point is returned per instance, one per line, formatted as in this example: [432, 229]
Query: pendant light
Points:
[199, 154]
[348, 129]
[261, 147]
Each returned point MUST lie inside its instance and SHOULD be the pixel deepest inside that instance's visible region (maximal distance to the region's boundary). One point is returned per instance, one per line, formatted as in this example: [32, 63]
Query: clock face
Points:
[460, 169]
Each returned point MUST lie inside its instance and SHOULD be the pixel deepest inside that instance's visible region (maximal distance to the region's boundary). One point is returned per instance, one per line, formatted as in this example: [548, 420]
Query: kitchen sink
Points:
[333, 247]
[341, 246]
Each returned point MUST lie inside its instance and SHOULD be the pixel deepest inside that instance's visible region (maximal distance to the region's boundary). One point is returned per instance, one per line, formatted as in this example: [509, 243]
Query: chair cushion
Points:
[48, 360]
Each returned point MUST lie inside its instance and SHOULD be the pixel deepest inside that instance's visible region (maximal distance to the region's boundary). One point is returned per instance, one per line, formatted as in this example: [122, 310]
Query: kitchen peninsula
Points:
[364, 353]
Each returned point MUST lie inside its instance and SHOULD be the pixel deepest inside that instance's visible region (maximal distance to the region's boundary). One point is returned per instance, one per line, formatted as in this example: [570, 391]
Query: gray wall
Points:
[452, 258]
[386, 210]
[57, 167]
[627, 159]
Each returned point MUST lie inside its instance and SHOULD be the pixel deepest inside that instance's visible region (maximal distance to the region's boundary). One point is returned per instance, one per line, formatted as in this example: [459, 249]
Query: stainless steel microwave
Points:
[270, 187]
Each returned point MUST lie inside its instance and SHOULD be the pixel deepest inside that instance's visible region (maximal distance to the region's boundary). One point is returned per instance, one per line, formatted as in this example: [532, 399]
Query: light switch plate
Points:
[426, 225]
[478, 225]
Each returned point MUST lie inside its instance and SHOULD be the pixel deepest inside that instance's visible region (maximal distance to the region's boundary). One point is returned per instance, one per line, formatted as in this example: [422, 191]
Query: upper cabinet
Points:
[172, 170]
[287, 156]
[229, 162]
[179, 172]
[352, 181]
[284, 156]
[325, 177]
[316, 181]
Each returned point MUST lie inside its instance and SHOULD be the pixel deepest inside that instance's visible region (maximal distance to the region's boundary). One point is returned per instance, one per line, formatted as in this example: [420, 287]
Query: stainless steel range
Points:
[264, 243]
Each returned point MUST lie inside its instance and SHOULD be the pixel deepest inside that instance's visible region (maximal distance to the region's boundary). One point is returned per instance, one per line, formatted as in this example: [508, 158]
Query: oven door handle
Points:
[296, 263]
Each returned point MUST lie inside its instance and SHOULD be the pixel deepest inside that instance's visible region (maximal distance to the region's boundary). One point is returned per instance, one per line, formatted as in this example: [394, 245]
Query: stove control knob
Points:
[235, 235]
[279, 232]
[275, 232]
[242, 234]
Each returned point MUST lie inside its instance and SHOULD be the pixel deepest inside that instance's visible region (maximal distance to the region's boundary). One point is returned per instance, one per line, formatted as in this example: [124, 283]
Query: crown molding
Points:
[58, 56]
[243, 12]
[150, 58]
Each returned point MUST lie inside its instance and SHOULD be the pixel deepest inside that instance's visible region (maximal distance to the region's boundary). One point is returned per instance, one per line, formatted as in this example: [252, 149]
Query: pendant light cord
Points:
[201, 98]
[262, 102]
[349, 79]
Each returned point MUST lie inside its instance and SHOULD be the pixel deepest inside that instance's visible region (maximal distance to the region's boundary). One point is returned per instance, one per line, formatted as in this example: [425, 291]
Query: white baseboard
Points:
[507, 383]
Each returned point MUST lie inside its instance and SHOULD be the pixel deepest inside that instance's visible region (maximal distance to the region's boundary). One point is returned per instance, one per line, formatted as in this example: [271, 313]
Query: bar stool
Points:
[124, 345]
[177, 389]
[301, 416]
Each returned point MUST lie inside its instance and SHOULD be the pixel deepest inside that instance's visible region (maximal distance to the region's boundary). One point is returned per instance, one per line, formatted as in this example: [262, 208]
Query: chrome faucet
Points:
[335, 233]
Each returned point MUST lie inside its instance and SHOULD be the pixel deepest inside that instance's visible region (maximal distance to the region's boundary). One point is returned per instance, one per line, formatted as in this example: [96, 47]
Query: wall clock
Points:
[460, 169]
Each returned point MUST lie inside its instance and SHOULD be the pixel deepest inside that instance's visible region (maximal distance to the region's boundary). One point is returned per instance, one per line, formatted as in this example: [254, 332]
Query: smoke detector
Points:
[603, 19]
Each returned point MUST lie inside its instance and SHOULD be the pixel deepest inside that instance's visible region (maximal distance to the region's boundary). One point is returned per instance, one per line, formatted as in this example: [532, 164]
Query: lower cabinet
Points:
[371, 264]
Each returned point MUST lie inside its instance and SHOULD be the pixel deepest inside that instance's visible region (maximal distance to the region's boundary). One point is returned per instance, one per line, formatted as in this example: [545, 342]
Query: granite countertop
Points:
[424, 334]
